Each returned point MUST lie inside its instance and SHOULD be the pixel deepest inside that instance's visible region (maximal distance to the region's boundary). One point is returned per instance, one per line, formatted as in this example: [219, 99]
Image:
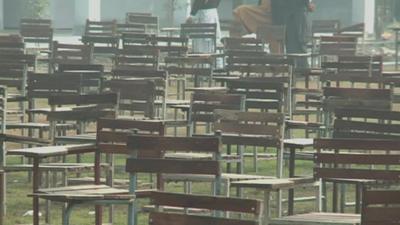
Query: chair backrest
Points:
[200, 31]
[354, 66]
[135, 96]
[138, 144]
[357, 159]
[366, 123]
[137, 57]
[276, 65]
[380, 206]
[102, 35]
[86, 107]
[112, 134]
[12, 44]
[101, 28]
[14, 75]
[126, 28]
[42, 86]
[325, 27]
[356, 98]
[70, 54]
[356, 30]
[173, 46]
[150, 22]
[135, 39]
[244, 44]
[221, 204]
[250, 128]
[202, 106]
[37, 31]
[29, 60]
[338, 45]
[265, 94]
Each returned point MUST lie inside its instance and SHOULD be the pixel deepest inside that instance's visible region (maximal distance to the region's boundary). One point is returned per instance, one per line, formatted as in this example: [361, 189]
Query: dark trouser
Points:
[296, 36]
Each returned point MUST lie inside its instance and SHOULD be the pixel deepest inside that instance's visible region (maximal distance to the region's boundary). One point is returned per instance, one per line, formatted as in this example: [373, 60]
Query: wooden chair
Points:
[12, 44]
[150, 22]
[349, 160]
[380, 206]
[253, 65]
[338, 45]
[136, 97]
[42, 86]
[200, 31]
[325, 27]
[85, 108]
[215, 204]
[14, 77]
[154, 148]
[262, 94]
[126, 28]
[366, 123]
[102, 36]
[243, 44]
[137, 57]
[159, 77]
[70, 54]
[355, 98]
[37, 31]
[356, 68]
[172, 46]
[257, 129]
[182, 69]
[202, 108]
[135, 39]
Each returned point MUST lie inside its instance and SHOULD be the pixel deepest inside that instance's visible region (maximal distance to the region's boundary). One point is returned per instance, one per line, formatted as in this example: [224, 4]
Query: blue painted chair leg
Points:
[132, 217]
[67, 214]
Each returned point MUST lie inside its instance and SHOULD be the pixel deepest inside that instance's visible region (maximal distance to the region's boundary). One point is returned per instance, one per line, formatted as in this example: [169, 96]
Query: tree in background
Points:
[38, 8]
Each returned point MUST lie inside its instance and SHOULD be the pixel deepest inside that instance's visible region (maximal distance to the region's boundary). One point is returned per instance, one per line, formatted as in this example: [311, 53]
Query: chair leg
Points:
[132, 218]
[67, 214]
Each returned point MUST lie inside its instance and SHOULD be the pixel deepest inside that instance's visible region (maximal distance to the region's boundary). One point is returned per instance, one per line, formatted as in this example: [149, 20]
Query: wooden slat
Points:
[172, 166]
[373, 197]
[383, 175]
[206, 202]
[247, 129]
[189, 144]
[157, 218]
[366, 159]
[357, 144]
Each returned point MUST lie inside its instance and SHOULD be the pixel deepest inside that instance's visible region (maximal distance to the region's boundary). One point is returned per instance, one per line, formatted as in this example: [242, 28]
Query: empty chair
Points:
[203, 37]
[102, 35]
[137, 57]
[70, 54]
[150, 22]
[37, 31]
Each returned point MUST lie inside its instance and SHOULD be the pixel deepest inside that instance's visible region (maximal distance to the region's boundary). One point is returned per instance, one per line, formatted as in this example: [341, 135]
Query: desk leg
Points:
[291, 174]
[267, 207]
[397, 49]
[36, 183]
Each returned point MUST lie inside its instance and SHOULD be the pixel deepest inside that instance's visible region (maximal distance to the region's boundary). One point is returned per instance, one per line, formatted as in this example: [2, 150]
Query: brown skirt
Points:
[253, 16]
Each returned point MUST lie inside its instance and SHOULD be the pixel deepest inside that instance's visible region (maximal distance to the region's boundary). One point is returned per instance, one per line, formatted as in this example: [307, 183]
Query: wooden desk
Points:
[44, 152]
[273, 185]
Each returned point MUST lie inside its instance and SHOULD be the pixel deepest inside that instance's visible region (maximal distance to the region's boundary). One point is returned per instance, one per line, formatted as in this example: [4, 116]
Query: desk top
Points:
[274, 184]
[43, 152]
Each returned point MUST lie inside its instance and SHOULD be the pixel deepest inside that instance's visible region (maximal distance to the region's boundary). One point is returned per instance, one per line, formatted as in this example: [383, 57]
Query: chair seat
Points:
[226, 177]
[83, 193]
[77, 139]
[189, 155]
[319, 219]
